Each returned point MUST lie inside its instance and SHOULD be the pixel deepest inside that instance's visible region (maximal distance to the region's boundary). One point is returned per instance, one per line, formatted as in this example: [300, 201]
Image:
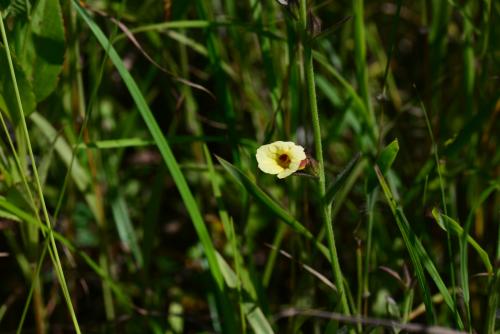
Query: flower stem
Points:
[325, 207]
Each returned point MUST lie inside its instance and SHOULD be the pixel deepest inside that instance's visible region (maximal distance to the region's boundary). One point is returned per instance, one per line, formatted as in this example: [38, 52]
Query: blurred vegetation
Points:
[138, 121]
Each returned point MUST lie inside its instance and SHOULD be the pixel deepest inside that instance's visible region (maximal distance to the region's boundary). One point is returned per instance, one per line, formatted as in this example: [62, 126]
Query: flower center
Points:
[284, 160]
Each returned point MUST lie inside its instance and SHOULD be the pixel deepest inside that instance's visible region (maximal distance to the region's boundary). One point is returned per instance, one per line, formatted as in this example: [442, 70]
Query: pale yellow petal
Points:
[270, 167]
[268, 157]
[285, 173]
[297, 153]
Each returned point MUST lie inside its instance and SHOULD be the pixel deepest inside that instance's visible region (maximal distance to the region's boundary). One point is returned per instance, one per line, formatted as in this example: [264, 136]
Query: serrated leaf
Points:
[384, 163]
[8, 101]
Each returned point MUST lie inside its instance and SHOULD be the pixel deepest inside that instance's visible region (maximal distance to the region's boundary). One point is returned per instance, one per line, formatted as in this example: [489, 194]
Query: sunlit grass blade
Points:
[169, 160]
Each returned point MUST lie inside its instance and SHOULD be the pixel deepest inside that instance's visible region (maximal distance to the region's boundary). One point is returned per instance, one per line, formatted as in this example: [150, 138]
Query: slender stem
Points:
[57, 261]
[325, 207]
[361, 67]
[443, 203]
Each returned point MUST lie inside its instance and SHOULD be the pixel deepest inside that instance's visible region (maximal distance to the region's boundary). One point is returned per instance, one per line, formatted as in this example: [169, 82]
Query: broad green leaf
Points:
[340, 180]
[40, 46]
[125, 228]
[8, 100]
[384, 162]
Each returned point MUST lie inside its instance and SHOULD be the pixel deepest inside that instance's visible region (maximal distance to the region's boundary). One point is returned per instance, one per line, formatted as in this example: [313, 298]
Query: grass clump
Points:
[131, 197]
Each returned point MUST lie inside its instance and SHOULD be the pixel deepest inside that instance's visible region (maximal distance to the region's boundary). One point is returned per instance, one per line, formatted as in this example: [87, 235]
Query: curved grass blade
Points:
[418, 247]
[340, 180]
[270, 203]
[409, 238]
[26, 217]
[125, 227]
[444, 220]
[384, 162]
[264, 198]
[169, 159]
[252, 311]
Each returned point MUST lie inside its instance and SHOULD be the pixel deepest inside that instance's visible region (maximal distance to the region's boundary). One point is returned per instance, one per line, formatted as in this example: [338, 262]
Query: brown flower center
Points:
[284, 160]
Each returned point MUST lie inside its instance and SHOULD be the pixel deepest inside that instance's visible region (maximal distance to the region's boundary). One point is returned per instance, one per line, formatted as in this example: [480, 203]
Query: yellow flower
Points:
[281, 157]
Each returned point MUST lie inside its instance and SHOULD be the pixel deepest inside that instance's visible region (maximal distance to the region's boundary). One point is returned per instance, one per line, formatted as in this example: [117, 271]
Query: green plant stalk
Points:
[469, 79]
[223, 92]
[238, 268]
[38, 304]
[443, 203]
[57, 262]
[411, 244]
[359, 276]
[361, 66]
[83, 133]
[267, 59]
[407, 304]
[171, 163]
[371, 200]
[271, 260]
[494, 293]
[33, 287]
[324, 207]
[437, 44]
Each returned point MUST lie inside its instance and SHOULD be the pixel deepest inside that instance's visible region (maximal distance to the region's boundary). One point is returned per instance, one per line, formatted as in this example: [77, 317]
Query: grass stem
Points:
[325, 207]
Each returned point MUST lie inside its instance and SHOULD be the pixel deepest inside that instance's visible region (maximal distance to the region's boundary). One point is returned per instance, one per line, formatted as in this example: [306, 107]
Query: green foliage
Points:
[131, 199]
[8, 101]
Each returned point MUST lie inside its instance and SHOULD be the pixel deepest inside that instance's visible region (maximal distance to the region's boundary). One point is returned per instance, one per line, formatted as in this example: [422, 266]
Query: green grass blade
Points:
[125, 228]
[422, 252]
[444, 220]
[253, 313]
[341, 178]
[270, 203]
[384, 162]
[264, 198]
[26, 217]
[409, 239]
[165, 151]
